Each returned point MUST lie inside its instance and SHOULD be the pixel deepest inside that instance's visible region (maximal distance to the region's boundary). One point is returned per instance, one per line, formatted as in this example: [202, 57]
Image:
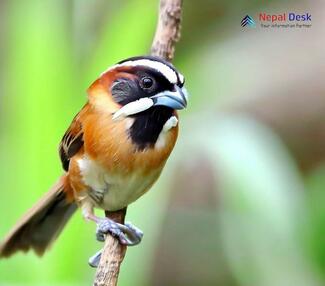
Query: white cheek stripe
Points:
[168, 73]
[133, 107]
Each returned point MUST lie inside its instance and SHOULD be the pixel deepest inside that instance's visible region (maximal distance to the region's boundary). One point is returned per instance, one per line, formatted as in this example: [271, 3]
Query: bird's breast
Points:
[115, 170]
[114, 190]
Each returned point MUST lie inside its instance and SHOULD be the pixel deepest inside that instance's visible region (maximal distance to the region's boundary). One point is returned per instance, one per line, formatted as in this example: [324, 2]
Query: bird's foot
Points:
[94, 260]
[127, 234]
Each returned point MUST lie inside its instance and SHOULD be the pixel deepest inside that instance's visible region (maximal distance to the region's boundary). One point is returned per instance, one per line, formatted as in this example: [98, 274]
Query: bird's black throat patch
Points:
[147, 126]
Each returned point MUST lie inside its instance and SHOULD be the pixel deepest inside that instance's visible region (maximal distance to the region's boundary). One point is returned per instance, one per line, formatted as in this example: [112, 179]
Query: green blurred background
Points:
[241, 201]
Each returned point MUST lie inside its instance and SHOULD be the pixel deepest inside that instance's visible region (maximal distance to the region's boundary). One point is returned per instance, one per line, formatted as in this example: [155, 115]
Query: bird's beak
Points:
[174, 99]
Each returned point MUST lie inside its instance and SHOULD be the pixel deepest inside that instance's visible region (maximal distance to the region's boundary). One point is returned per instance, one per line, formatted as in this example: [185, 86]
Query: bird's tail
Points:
[41, 225]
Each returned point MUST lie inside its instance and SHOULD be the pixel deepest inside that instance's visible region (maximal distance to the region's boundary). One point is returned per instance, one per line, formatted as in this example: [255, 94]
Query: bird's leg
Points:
[127, 234]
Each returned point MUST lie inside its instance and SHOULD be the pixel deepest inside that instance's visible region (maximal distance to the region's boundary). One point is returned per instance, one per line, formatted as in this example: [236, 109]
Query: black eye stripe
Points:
[159, 79]
[124, 90]
[145, 82]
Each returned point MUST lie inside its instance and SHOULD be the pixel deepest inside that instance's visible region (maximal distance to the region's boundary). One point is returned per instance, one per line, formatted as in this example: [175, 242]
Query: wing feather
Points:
[72, 140]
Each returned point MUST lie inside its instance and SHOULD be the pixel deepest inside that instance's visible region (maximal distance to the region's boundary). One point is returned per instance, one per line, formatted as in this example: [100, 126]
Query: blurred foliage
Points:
[233, 206]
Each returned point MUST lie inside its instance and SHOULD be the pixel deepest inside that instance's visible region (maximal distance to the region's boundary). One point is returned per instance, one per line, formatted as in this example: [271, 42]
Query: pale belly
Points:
[113, 192]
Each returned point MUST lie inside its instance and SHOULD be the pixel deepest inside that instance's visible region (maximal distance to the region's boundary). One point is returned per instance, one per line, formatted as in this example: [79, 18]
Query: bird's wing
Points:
[72, 140]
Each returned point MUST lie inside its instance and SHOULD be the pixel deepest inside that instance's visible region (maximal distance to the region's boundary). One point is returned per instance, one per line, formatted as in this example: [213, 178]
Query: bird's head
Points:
[144, 93]
[141, 83]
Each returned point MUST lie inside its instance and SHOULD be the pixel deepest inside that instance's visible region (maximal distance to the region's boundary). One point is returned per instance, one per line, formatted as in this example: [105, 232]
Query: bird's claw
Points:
[94, 260]
[127, 234]
[135, 231]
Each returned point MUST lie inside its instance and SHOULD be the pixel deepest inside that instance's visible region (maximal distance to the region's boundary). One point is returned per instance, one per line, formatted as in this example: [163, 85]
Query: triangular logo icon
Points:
[247, 21]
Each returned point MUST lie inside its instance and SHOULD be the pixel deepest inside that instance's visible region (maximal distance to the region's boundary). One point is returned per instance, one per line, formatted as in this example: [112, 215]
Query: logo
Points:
[279, 20]
[292, 17]
[247, 21]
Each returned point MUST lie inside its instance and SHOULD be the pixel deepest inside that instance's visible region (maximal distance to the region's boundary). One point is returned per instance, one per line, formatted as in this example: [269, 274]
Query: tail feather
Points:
[41, 225]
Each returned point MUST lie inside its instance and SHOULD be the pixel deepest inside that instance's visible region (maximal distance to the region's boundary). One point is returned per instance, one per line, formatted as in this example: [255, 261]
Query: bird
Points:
[112, 153]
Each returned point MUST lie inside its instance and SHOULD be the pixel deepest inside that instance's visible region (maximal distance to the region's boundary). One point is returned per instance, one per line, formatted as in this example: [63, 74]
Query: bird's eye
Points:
[146, 82]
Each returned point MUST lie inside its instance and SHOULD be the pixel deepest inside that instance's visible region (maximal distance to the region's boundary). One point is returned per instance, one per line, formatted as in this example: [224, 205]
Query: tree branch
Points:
[112, 255]
[168, 30]
[167, 34]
